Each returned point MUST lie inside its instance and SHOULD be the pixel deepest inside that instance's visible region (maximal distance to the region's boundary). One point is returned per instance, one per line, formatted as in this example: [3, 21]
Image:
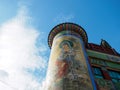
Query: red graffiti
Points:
[62, 68]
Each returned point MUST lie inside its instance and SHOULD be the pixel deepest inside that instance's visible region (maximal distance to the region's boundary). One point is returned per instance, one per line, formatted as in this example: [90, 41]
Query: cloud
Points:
[64, 18]
[22, 67]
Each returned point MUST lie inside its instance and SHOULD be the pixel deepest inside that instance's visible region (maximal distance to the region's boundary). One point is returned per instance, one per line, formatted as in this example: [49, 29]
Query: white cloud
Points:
[19, 54]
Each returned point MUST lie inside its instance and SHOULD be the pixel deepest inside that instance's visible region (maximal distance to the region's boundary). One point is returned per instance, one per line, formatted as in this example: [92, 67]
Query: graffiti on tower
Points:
[69, 67]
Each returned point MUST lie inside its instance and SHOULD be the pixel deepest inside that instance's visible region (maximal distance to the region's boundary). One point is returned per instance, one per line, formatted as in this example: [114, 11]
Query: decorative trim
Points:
[70, 27]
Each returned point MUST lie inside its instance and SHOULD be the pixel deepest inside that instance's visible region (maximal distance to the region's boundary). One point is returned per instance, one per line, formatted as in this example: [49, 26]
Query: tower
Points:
[69, 68]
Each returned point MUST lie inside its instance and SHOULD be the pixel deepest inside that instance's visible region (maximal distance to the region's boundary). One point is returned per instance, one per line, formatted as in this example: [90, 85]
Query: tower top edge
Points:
[69, 27]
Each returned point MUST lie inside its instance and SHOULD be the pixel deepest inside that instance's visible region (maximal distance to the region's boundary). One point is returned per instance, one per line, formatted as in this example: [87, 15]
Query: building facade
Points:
[76, 64]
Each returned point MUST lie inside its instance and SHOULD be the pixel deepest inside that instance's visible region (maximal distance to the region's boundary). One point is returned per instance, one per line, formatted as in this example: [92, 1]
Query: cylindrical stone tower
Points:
[68, 67]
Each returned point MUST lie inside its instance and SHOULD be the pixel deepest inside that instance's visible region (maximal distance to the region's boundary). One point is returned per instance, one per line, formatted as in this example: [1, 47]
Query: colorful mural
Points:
[106, 62]
[98, 62]
[103, 56]
[67, 67]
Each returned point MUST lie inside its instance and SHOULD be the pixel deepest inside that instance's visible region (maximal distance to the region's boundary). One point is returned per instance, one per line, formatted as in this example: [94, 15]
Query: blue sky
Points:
[100, 18]
[27, 23]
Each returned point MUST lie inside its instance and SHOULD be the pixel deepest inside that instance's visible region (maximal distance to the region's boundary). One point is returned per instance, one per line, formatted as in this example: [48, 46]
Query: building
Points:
[76, 64]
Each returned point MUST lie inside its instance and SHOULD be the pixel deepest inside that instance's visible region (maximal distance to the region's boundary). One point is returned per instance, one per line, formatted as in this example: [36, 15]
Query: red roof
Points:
[100, 48]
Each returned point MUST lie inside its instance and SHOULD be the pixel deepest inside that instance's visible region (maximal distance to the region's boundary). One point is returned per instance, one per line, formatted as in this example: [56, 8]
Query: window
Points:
[115, 76]
[97, 72]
